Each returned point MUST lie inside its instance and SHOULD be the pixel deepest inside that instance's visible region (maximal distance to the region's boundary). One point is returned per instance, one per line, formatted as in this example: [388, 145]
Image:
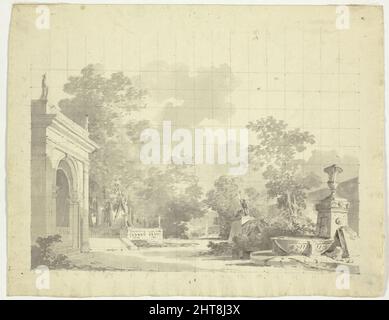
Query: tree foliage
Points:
[109, 103]
[278, 153]
[43, 254]
[224, 199]
[172, 194]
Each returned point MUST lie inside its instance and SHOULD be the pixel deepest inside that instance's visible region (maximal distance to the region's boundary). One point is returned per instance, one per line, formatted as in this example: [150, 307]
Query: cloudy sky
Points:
[213, 67]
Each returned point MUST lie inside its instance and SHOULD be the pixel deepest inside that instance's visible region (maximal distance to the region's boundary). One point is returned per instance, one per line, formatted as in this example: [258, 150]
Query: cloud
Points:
[187, 98]
[324, 158]
[211, 123]
[173, 102]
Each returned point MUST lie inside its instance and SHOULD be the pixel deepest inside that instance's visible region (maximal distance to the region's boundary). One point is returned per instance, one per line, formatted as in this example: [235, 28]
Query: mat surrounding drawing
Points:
[195, 150]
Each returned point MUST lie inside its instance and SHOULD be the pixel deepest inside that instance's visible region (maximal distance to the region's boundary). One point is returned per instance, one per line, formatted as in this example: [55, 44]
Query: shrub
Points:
[220, 248]
[174, 229]
[146, 244]
[256, 235]
[43, 254]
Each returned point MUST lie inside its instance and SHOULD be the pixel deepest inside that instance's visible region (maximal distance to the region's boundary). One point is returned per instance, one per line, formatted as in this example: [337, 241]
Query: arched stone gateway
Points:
[60, 151]
[66, 213]
[62, 202]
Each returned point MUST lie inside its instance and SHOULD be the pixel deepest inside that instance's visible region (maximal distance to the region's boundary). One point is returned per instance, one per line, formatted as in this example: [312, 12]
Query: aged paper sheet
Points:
[231, 151]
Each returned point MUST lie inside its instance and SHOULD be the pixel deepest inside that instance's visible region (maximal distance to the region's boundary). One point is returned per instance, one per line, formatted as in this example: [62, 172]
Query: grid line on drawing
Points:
[262, 92]
[338, 48]
[303, 82]
[320, 82]
[230, 60]
[239, 90]
[284, 69]
[248, 76]
[264, 108]
[201, 71]
[212, 77]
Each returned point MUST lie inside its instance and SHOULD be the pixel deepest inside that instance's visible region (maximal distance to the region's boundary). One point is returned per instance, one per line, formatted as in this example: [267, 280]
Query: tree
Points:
[224, 199]
[172, 194]
[109, 103]
[276, 152]
[257, 202]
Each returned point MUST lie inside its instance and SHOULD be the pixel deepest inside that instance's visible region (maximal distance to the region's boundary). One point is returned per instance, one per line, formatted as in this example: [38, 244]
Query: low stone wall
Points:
[148, 234]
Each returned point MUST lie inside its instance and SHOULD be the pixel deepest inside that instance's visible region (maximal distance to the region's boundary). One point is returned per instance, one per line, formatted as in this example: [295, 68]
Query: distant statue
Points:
[236, 225]
[107, 214]
[244, 205]
[239, 219]
[130, 217]
[45, 88]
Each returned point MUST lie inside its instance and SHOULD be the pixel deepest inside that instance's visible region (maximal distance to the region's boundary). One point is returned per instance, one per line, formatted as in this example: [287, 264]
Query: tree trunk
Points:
[290, 207]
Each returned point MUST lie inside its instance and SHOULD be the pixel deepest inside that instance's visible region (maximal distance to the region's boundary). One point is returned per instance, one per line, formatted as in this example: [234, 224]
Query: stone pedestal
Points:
[332, 211]
[332, 214]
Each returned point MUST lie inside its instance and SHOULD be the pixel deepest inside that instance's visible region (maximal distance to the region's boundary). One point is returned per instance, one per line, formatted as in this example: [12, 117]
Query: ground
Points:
[175, 255]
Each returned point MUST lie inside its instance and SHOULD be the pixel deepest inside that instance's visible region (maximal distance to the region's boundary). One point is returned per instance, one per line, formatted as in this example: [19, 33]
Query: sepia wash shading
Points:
[68, 235]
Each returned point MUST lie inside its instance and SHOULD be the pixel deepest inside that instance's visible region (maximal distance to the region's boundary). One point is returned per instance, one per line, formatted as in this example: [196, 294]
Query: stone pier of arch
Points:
[60, 151]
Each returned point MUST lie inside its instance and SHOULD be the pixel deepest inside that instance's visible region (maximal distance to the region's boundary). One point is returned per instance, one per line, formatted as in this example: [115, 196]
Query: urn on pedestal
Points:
[333, 210]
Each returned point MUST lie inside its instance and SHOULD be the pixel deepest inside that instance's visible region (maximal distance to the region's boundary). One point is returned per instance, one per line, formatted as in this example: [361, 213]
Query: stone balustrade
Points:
[148, 234]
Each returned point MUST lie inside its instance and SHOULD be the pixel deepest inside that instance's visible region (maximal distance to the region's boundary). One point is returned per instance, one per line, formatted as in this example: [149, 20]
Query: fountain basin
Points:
[308, 246]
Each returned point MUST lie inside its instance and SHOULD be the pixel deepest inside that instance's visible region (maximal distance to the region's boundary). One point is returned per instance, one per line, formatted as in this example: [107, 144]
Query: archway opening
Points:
[62, 203]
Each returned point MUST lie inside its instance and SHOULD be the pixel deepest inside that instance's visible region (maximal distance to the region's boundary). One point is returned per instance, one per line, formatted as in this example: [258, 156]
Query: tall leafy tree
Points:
[109, 102]
[277, 152]
[174, 195]
[224, 199]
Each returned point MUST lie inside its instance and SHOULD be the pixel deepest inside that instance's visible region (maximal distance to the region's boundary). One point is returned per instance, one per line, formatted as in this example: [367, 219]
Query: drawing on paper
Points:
[186, 150]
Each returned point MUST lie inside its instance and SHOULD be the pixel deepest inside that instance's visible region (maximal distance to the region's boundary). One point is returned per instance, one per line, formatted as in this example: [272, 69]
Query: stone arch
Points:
[68, 166]
[62, 209]
[57, 143]
[66, 218]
